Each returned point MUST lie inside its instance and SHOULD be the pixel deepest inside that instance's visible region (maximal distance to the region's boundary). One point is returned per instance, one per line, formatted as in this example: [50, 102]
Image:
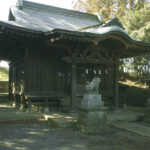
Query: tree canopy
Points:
[109, 8]
[134, 14]
[137, 23]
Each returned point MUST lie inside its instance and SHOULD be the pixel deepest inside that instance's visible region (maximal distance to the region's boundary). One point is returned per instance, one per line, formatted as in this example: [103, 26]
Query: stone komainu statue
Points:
[93, 86]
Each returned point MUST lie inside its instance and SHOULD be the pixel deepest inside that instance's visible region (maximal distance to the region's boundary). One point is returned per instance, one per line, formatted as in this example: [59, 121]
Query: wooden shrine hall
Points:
[53, 52]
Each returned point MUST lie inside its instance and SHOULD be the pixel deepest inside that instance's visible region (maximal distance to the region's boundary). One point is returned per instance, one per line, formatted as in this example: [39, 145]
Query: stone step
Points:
[124, 115]
[68, 119]
[61, 120]
[132, 127]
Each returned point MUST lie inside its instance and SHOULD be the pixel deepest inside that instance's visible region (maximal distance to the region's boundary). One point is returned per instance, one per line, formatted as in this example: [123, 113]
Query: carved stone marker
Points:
[92, 116]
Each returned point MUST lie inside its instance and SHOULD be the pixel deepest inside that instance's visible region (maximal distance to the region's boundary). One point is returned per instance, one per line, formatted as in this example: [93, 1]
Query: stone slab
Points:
[66, 120]
[132, 127]
[124, 115]
[62, 120]
[95, 109]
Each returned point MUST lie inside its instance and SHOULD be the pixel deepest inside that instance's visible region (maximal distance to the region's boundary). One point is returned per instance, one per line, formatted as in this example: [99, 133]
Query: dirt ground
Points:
[42, 136]
[37, 134]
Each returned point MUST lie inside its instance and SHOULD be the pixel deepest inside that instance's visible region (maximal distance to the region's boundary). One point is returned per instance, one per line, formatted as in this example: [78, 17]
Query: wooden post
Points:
[73, 83]
[116, 92]
[10, 82]
[29, 105]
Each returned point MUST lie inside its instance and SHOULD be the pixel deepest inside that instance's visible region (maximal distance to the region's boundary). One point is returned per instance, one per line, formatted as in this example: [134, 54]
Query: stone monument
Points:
[92, 118]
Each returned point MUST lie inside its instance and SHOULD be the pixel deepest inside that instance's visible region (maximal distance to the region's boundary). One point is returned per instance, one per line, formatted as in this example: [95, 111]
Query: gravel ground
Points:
[41, 136]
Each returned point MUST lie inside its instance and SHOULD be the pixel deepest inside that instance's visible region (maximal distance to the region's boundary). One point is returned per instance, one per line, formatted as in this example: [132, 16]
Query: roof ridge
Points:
[89, 27]
[59, 10]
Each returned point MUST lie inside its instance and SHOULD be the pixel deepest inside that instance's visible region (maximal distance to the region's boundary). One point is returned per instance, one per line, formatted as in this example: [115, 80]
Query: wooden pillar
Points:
[29, 105]
[116, 89]
[9, 83]
[73, 84]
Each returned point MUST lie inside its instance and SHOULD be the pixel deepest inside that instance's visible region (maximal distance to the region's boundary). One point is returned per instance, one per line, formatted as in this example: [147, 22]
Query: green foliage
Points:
[137, 23]
[105, 8]
[108, 8]
[135, 16]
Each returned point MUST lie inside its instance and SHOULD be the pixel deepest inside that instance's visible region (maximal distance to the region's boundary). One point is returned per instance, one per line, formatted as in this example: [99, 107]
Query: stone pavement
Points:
[118, 119]
[124, 115]
[69, 119]
[132, 127]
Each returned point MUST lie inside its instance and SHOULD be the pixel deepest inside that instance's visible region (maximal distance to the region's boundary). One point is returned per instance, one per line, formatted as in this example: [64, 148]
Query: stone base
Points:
[92, 122]
[91, 101]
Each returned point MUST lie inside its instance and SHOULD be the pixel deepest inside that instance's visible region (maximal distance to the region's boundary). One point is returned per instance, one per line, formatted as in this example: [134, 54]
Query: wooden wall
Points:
[39, 75]
[47, 76]
[87, 72]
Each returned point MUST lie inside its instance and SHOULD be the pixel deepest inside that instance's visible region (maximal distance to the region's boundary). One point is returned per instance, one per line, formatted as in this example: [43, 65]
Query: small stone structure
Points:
[92, 118]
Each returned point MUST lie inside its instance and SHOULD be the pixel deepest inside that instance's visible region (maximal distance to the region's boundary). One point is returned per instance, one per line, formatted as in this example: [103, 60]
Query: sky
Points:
[6, 4]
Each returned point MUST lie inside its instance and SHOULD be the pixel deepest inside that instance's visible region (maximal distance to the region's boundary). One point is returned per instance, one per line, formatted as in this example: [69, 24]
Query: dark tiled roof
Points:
[45, 19]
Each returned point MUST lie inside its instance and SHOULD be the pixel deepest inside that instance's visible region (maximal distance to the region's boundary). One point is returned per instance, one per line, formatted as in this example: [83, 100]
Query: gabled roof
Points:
[46, 18]
[49, 21]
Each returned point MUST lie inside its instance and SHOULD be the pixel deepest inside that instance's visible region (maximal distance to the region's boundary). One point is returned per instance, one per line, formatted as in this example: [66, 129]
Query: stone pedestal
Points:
[91, 101]
[92, 117]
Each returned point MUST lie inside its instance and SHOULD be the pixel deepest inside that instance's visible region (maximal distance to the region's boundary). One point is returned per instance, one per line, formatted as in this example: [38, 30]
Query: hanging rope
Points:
[95, 71]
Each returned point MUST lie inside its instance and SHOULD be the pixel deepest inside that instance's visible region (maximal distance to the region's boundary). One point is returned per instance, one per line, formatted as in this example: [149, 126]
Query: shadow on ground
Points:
[42, 137]
[29, 132]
